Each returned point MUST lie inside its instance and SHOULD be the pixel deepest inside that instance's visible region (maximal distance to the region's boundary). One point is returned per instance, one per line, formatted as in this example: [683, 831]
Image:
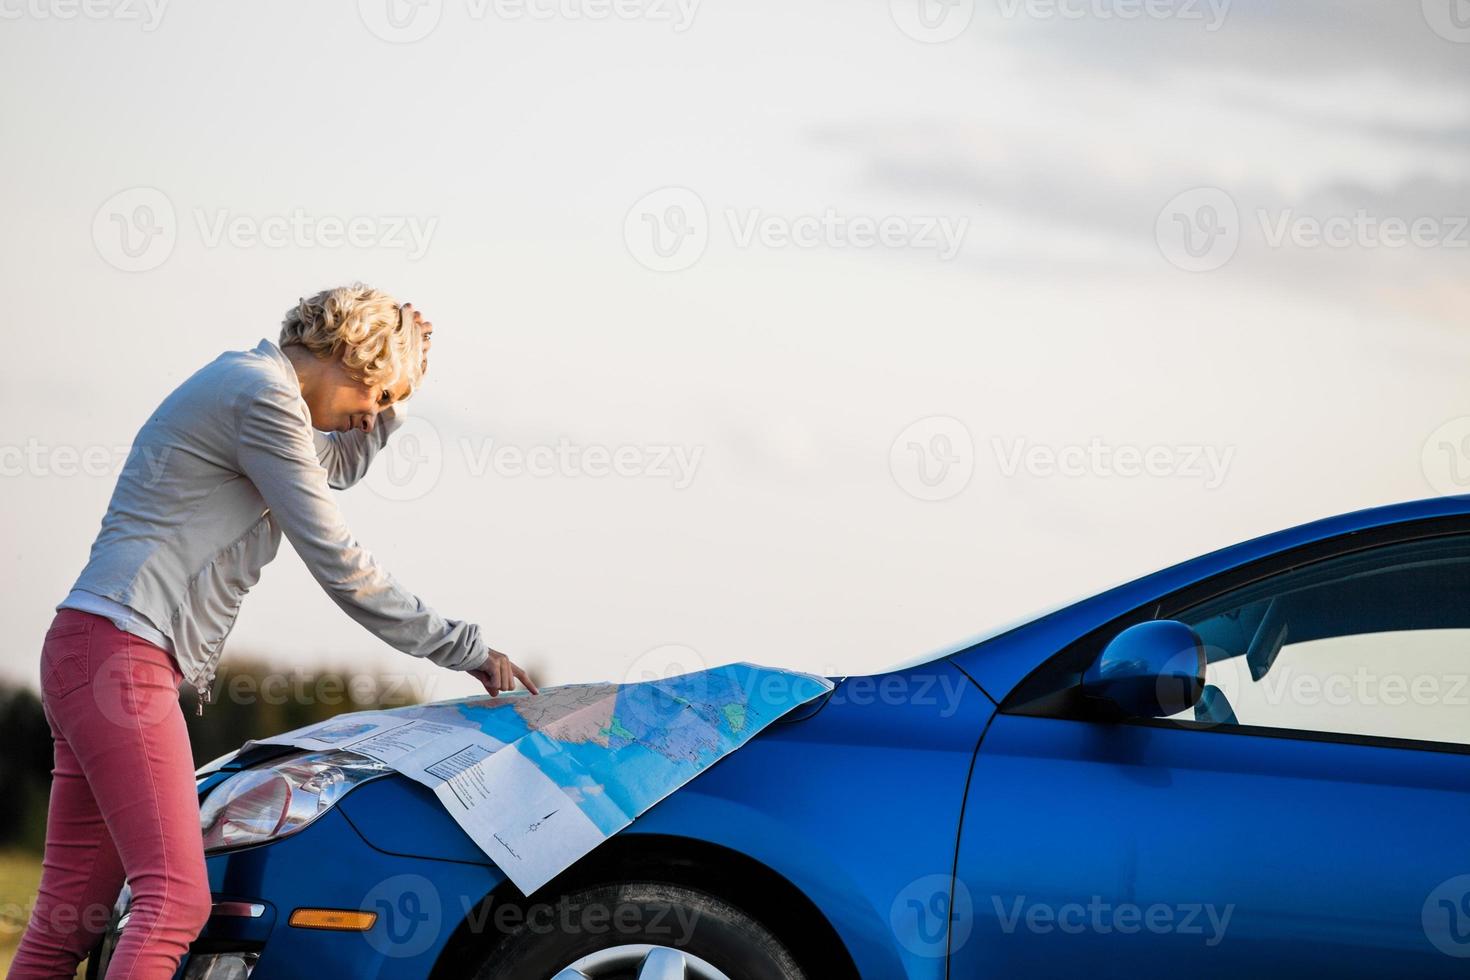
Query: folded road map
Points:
[539, 780]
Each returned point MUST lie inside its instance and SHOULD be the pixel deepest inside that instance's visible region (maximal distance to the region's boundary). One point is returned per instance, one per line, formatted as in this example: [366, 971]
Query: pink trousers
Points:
[123, 805]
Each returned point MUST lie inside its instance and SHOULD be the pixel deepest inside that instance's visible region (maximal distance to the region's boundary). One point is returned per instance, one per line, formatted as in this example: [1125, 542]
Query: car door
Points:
[1311, 816]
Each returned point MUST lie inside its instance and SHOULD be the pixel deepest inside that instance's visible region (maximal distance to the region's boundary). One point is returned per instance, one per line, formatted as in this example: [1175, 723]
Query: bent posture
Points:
[244, 451]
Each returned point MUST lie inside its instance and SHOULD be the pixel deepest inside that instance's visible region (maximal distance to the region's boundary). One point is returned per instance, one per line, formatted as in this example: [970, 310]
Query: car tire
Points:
[544, 943]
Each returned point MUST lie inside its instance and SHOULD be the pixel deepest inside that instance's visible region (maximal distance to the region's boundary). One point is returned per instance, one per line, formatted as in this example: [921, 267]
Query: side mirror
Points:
[1151, 670]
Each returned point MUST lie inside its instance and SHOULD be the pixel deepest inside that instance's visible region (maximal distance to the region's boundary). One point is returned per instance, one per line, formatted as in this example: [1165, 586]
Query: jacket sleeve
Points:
[277, 453]
[347, 455]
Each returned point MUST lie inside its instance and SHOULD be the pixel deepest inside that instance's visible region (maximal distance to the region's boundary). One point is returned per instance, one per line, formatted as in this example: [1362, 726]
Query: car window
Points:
[1375, 644]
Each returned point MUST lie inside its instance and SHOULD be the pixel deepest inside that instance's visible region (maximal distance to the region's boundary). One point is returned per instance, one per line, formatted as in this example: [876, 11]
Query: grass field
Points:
[20, 873]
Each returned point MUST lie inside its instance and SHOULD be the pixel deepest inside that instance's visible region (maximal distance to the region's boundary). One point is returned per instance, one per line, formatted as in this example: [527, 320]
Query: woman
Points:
[221, 469]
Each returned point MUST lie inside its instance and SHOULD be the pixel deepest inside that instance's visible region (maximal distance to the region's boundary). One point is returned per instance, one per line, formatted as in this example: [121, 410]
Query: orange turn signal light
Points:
[342, 920]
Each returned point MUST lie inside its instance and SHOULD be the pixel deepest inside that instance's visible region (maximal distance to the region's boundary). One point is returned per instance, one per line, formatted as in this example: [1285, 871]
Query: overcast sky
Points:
[819, 335]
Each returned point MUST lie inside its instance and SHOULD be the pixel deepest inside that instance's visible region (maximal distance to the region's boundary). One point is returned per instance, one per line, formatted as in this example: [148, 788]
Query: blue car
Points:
[1250, 764]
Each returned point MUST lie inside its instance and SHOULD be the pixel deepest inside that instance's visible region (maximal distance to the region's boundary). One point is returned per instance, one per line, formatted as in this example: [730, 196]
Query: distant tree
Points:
[25, 767]
[250, 699]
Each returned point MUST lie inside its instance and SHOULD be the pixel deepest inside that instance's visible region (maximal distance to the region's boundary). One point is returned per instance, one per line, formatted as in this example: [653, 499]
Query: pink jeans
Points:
[123, 804]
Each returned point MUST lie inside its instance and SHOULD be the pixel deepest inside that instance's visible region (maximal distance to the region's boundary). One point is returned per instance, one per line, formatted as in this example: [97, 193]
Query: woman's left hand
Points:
[498, 674]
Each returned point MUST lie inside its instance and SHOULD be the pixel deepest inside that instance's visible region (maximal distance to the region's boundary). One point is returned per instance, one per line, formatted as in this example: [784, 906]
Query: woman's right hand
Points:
[498, 674]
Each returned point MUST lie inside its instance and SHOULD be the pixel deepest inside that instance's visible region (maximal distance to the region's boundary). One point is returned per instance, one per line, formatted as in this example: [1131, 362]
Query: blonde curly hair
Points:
[365, 328]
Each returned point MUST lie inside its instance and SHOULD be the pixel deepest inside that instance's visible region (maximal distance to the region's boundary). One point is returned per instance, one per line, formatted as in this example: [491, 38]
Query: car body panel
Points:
[1313, 856]
[329, 865]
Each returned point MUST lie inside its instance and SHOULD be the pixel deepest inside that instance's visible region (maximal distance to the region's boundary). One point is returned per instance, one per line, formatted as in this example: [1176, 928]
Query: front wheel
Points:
[638, 931]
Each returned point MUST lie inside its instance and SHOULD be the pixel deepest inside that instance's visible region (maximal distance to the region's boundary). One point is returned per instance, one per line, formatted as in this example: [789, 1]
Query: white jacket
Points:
[226, 464]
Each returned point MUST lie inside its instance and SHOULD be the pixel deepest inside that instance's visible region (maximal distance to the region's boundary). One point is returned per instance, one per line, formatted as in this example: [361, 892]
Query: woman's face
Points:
[339, 402]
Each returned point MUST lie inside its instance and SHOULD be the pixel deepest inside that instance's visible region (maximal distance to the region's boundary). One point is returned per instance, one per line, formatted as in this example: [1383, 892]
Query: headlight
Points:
[274, 801]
